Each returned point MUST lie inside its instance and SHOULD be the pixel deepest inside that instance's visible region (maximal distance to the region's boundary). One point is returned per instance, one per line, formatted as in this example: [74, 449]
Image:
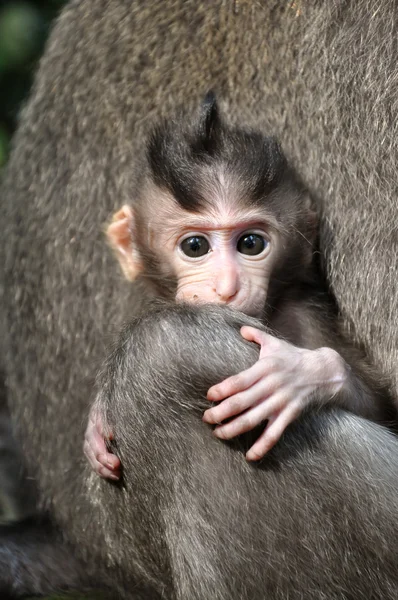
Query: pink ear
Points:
[120, 236]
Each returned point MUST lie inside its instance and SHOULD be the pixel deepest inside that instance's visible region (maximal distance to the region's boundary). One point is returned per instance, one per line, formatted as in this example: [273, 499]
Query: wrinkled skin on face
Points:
[225, 256]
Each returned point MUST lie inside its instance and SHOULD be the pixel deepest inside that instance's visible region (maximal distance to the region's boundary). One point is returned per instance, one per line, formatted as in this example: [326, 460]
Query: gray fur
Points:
[317, 518]
[321, 76]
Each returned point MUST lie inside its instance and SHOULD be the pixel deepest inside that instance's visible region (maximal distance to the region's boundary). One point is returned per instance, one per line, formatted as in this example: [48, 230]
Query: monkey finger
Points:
[88, 451]
[253, 417]
[97, 454]
[96, 425]
[242, 381]
[105, 469]
[109, 461]
[107, 474]
[252, 334]
[89, 454]
[237, 403]
[101, 467]
[99, 426]
[273, 432]
[108, 466]
[95, 441]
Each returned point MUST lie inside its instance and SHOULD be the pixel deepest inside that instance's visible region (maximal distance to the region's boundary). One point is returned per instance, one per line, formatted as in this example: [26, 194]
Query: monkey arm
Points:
[360, 394]
[364, 390]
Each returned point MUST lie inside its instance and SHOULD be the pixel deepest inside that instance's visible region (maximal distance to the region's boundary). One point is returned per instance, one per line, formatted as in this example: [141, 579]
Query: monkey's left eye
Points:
[251, 244]
[195, 246]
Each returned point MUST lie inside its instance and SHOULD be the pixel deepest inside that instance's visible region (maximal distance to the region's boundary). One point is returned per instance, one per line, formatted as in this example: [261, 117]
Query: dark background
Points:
[24, 27]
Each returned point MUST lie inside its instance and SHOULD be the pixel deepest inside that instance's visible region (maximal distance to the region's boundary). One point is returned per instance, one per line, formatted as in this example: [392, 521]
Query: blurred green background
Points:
[24, 27]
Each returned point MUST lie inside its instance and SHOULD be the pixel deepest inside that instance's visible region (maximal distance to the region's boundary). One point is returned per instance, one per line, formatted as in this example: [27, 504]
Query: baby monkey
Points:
[222, 217]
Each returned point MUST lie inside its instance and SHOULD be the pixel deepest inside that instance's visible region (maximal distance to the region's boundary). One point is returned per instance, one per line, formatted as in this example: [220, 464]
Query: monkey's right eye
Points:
[195, 246]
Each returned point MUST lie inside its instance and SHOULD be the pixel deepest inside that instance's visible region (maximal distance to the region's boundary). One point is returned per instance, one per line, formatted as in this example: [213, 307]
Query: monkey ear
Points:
[120, 234]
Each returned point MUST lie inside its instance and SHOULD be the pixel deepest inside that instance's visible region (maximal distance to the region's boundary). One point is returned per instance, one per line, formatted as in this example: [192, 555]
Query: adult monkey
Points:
[320, 76]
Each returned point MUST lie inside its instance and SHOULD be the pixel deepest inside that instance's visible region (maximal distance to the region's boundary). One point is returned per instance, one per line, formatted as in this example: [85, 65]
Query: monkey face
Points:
[224, 263]
[223, 255]
[219, 217]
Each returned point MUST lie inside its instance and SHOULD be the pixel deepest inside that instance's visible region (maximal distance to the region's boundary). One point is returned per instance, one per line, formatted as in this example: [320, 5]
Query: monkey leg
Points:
[317, 517]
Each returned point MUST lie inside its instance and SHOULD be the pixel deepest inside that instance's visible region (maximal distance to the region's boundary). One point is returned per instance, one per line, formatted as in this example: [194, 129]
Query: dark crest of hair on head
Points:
[209, 126]
[184, 154]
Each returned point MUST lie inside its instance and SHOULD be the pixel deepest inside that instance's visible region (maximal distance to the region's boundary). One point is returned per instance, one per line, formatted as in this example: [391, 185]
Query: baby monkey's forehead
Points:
[169, 219]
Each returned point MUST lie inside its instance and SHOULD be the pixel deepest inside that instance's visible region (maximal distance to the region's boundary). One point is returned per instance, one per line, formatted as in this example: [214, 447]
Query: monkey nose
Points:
[226, 297]
[226, 288]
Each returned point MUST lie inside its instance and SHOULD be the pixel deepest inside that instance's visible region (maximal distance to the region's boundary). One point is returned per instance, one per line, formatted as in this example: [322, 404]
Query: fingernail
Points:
[251, 456]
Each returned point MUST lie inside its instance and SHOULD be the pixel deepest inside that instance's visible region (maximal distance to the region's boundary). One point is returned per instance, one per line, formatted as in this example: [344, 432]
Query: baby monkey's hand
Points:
[275, 389]
[104, 463]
